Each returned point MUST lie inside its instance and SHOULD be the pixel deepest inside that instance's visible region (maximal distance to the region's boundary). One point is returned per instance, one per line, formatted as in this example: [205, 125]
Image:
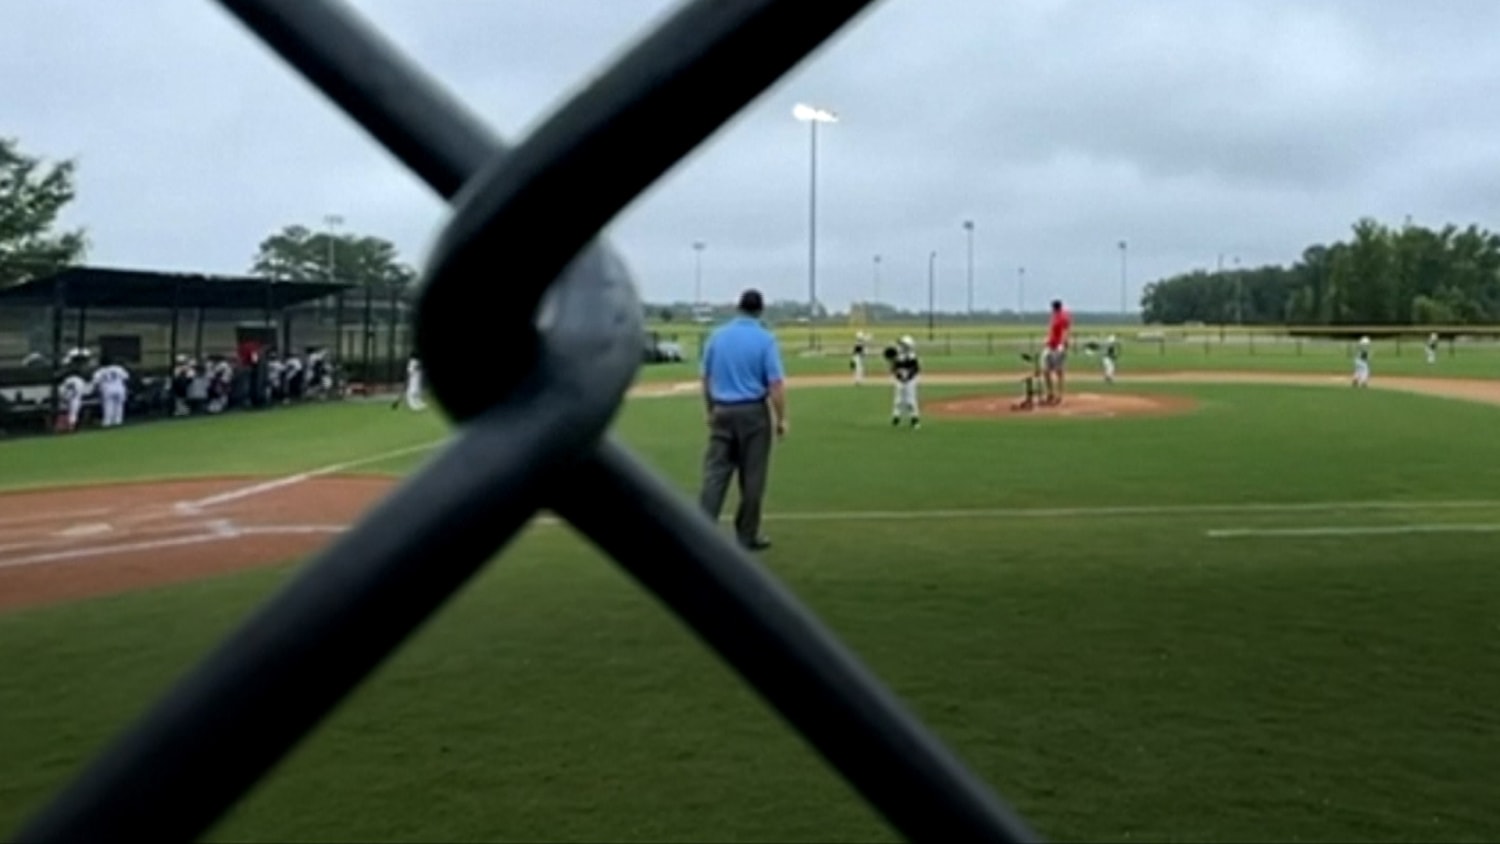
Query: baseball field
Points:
[1225, 598]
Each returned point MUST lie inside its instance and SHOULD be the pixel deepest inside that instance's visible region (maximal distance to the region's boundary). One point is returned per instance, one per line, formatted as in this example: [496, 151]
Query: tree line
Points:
[1381, 275]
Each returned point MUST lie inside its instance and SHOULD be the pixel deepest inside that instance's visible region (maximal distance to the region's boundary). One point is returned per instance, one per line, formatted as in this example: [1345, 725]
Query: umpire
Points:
[743, 387]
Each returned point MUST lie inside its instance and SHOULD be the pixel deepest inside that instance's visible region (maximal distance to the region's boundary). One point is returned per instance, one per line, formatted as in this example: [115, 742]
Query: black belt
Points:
[742, 403]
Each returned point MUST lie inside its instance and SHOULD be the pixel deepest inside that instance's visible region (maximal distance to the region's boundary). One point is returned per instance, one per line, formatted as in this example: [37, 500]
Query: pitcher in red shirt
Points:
[1056, 354]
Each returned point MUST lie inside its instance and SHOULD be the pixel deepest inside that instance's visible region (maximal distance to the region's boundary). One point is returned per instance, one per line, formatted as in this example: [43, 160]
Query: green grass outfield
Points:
[1471, 360]
[1113, 621]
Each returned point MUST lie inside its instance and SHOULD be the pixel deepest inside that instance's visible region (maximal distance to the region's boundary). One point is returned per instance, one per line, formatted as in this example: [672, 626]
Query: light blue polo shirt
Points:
[741, 362]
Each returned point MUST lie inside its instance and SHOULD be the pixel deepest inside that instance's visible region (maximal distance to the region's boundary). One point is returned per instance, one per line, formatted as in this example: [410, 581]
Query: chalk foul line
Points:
[1347, 530]
[218, 530]
[198, 505]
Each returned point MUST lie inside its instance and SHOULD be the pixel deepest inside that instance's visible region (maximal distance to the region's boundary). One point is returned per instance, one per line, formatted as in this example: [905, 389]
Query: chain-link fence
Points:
[527, 436]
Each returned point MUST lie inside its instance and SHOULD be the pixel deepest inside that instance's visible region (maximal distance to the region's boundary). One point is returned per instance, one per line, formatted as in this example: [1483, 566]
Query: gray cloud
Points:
[1247, 127]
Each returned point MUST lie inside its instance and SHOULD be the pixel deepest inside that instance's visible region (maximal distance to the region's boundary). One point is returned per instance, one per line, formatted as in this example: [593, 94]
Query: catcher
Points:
[1032, 384]
[905, 368]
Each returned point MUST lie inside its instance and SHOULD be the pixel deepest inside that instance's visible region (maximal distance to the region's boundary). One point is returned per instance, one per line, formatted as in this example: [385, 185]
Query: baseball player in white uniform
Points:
[109, 381]
[71, 391]
[413, 395]
[857, 360]
[1111, 354]
[906, 369]
[1362, 363]
[1432, 346]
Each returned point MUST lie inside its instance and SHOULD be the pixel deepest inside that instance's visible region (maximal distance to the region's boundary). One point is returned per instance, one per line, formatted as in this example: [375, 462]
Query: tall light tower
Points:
[698, 247]
[876, 290]
[332, 221]
[1239, 292]
[1021, 294]
[1124, 290]
[931, 293]
[812, 116]
[969, 232]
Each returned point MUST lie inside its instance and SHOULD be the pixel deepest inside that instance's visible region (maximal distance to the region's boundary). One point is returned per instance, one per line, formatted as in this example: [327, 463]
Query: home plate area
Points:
[1085, 405]
[66, 543]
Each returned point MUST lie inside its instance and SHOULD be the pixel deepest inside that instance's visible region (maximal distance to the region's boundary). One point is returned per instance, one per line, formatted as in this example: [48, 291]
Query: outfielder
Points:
[857, 360]
[413, 395]
[1362, 363]
[906, 369]
[1432, 346]
[110, 380]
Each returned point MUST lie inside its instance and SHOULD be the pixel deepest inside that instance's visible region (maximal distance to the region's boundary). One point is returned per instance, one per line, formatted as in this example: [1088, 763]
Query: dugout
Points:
[142, 314]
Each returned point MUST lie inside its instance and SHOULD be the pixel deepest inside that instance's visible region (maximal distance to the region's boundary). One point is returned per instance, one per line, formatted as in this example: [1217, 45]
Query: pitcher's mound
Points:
[1086, 405]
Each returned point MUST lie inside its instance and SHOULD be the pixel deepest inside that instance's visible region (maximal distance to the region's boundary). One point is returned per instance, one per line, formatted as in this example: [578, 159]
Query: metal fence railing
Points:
[224, 725]
[367, 328]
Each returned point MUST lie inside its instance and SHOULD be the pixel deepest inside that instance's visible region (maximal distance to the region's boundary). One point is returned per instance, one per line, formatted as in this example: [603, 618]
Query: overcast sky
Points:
[1189, 128]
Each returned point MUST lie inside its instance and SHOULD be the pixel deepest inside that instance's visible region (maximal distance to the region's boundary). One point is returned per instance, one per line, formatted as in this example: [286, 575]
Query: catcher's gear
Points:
[1032, 383]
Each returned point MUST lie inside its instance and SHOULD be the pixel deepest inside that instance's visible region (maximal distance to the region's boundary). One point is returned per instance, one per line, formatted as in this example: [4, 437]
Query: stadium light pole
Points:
[698, 247]
[1020, 294]
[1124, 284]
[1239, 292]
[812, 116]
[969, 232]
[876, 287]
[931, 293]
[332, 222]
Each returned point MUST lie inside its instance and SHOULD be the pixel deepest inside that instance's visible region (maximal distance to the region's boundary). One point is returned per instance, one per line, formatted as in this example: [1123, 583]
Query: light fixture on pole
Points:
[332, 221]
[1124, 290]
[1239, 292]
[812, 116]
[698, 272]
[1021, 294]
[969, 230]
[931, 292]
[876, 290]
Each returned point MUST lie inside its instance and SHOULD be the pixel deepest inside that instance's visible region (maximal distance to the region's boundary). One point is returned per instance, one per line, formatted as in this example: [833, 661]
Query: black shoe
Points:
[895, 421]
[760, 543]
[915, 422]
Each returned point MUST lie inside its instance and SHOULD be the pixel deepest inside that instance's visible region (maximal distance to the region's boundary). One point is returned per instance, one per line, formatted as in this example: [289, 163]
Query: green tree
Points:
[32, 194]
[1379, 276]
[297, 253]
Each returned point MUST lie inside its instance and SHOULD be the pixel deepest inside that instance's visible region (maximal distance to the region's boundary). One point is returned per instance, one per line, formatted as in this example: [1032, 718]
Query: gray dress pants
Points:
[739, 441]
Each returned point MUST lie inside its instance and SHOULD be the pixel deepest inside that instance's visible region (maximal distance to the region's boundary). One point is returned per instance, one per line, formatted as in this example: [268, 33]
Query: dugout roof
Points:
[89, 287]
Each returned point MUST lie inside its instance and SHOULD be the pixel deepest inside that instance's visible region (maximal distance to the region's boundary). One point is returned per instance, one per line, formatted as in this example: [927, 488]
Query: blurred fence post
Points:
[176, 313]
[392, 322]
[338, 326]
[198, 335]
[59, 300]
[368, 335]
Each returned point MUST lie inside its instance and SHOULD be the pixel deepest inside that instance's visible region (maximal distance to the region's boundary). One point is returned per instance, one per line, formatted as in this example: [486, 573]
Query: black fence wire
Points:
[226, 723]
